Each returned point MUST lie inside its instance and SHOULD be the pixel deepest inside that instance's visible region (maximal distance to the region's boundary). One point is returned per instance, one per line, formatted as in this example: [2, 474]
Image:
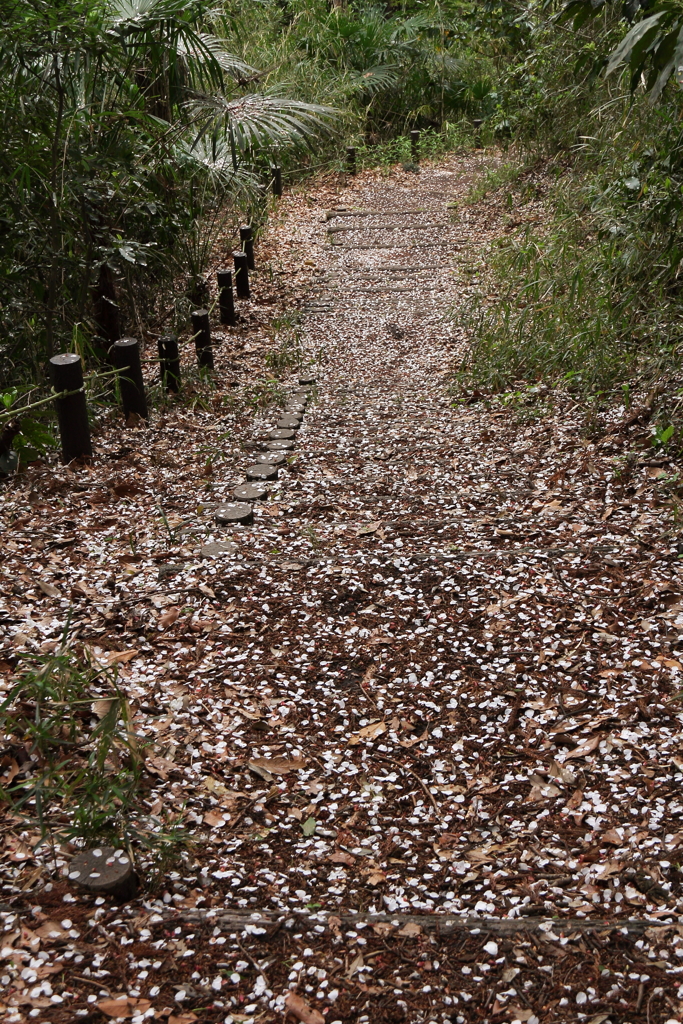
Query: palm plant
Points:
[116, 116]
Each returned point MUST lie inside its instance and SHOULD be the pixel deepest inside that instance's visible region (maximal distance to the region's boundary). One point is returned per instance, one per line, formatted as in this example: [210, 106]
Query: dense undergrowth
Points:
[139, 132]
[588, 295]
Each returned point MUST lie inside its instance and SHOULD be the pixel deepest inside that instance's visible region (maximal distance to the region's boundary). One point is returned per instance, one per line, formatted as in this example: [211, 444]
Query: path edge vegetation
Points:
[581, 97]
[582, 304]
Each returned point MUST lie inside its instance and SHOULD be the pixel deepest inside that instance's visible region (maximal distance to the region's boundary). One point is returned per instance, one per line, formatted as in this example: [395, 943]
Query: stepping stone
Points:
[282, 435]
[280, 446]
[307, 381]
[289, 423]
[217, 548]
[250, 492]
[104, 871]
[295, 409]
[261, 471]
[240, 512]
[271, 458]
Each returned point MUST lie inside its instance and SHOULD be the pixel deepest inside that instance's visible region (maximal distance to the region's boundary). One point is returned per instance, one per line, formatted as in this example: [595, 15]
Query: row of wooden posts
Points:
[67, 368]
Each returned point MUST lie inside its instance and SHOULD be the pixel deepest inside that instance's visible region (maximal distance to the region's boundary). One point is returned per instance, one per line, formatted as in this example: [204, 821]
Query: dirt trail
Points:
[433, 684]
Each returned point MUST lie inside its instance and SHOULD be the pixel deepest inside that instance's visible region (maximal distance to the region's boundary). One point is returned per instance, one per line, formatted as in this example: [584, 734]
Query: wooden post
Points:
[127, 362]
[169, 358]
[277, 181]
[201, 329]
[415, 146]
[247, 240]
[477, 123]
[350, 159]
[241, 274]
[226, 301]
[72, 411]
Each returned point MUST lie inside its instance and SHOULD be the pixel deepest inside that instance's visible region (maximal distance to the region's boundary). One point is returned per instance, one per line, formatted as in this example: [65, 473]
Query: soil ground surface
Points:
[420, 720]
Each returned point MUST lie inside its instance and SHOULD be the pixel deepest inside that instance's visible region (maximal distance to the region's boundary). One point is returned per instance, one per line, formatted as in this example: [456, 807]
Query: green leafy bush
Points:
[75, 766]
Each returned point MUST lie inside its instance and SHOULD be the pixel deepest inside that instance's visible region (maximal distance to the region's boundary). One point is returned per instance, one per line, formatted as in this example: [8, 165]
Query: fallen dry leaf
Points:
[410, 930]
[48, 589]
[301, 1010]
[585, 748]
[219, 789]
[120, 657]
[50, 930]
[517, 1013]
[340, 857]
[382, 928]
[102, 707]
[611, 836]
[126, 1006]
[609, 868]
[278, 765]
[376, 878]
[356, 965]
[160, 766]
[363, 531]
[169, 617]
[575, 800]
[213, 819]
[368, 732]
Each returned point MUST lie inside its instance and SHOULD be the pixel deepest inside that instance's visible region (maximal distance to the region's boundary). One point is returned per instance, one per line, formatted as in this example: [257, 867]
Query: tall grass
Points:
[589, 298]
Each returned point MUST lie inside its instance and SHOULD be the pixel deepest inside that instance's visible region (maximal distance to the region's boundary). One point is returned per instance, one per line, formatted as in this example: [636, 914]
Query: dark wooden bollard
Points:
[72, 411]
[169, 362]
[127, 362]
[201, 330]
[241, 274]
[477, 123]
[247, 240]
[350, 159]
[226, 300]
[104, 871]
[415, 146]
[277, 181]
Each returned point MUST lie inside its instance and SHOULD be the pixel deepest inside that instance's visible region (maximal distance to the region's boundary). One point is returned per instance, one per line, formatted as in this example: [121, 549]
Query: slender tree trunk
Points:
[106, 308]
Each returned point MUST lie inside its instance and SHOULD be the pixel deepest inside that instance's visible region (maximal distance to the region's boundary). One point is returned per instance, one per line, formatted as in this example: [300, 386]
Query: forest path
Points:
[435, 679]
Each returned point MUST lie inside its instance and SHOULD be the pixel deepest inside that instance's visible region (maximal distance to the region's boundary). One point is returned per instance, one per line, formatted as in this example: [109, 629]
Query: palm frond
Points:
[205, 46]
[212, 157]
[263, 120]
[375, 79]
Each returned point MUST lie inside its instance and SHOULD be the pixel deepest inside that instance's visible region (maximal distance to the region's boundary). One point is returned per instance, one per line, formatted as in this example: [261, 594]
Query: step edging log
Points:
[440, 924]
